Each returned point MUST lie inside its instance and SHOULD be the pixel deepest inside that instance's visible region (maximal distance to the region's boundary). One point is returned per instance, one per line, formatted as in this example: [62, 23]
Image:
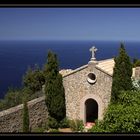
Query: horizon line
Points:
[121, 40]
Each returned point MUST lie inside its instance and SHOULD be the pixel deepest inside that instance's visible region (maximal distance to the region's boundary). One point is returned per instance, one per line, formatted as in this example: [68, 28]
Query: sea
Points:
[17, 56]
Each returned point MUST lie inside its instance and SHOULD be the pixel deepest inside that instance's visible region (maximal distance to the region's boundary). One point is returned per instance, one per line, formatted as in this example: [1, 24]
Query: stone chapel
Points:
[88, 89]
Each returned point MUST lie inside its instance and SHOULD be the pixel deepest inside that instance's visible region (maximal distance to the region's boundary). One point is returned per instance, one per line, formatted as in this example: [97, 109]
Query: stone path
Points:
[65, 130]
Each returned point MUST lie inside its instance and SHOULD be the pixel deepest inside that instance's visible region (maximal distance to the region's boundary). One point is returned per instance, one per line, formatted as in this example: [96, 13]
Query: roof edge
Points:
[76, 70]
[103, 71]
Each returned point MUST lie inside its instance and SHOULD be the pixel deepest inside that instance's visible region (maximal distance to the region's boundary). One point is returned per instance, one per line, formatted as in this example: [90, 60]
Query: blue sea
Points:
[16, 56]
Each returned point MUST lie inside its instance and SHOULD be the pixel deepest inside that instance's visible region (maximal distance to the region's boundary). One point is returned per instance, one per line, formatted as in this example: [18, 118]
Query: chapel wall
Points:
[76, 87]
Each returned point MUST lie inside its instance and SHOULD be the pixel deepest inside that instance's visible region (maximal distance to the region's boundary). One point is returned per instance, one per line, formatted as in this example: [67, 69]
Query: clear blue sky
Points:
[70, 23]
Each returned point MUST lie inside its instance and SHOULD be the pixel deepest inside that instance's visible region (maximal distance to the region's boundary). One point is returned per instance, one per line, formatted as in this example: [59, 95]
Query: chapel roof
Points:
[107, 66]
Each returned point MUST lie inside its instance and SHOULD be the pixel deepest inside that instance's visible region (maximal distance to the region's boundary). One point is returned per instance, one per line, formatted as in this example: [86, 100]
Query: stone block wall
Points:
[77, 88]
[11, 119]
[137, 73]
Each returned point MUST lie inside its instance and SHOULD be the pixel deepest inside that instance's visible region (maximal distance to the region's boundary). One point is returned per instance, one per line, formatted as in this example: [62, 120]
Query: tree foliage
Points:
[122, 116]
[12, 98]
[122, 74]
[34, 79]
[136, 62]
[54, 90]
[25, 116]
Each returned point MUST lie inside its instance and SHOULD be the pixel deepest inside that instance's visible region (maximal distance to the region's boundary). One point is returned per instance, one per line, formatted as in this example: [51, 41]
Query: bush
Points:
[136, 62]
[129, 98]
[52, 123]
[76, 125]
[64, 123]
[122, 116]
[12, 98]
[34, 79]
[30, 94]
[98, 127]
[25, 116]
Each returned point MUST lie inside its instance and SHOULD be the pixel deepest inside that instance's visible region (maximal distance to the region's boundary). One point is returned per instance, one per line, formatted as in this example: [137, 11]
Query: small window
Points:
[91, 78]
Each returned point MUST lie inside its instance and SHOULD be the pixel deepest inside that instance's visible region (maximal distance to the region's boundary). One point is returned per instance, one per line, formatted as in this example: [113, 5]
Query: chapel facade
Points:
[88, 89]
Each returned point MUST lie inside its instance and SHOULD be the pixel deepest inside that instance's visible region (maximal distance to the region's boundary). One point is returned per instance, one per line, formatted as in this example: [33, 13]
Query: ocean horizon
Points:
[17, 56]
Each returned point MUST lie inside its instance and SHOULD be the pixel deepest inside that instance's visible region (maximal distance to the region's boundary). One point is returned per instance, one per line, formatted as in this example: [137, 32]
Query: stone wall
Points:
[77, 89]
[137, 73]
[11, 119]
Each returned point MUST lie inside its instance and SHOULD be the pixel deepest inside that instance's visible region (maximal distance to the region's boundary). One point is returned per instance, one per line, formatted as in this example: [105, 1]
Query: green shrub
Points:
[25, 116]
[136, 62]
[12, 98]
[98, 127]
[64, 123]
[52, 123]
[121, 117]
[34, 79]
[76, 125]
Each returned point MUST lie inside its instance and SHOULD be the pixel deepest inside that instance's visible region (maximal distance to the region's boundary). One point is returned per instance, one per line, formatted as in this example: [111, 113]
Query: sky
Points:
[70, 23]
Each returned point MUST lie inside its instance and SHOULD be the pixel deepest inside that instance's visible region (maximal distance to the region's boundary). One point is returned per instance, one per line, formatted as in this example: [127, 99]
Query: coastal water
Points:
[16, 56]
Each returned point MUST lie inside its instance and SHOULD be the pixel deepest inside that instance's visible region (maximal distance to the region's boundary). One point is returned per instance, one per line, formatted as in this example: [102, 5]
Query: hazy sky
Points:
[70, 23]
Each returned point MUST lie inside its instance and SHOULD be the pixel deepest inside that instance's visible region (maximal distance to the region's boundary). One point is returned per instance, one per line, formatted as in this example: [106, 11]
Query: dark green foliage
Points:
[99, 127]
[2, 105]
[136, 62]
[122, 116]
[52, 123]
[64, 123]
[34, 79]
[30, 94]
[122, 74]
[55, 98]
[54, 90]
[119, 119]
[14, 97]
[11, 99]
[129, 98]
[51, 68]
[25, 116]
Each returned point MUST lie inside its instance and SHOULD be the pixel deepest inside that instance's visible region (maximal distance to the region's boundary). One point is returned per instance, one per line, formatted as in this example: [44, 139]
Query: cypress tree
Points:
[54, 90]
[25, 116]
[122, 74]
